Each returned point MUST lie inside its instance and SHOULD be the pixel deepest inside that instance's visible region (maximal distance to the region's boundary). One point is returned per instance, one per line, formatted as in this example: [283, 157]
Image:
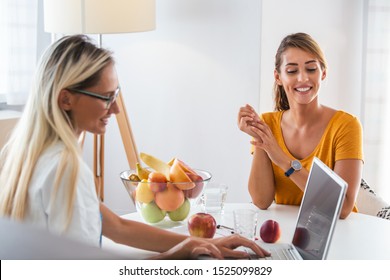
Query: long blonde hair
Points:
[71, 62]
[301, 41]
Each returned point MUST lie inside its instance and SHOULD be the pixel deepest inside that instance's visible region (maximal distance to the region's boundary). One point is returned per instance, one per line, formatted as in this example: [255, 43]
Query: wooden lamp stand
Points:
[128, 143]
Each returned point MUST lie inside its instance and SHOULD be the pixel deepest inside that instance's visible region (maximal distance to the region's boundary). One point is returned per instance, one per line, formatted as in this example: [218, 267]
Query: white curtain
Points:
[384, 26]
[377, 96]
[18, 48]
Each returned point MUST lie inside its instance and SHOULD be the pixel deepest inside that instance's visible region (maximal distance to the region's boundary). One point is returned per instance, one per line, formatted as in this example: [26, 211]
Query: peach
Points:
[178, 176]
[157, 181]
[169, 199]
[270, 231]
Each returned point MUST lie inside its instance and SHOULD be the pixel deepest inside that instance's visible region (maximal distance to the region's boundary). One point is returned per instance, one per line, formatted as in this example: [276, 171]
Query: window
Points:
[18, 33]
[376, 102]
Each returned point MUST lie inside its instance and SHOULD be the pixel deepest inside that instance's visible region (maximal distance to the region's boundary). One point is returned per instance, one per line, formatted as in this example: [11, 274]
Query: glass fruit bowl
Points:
[164, 203]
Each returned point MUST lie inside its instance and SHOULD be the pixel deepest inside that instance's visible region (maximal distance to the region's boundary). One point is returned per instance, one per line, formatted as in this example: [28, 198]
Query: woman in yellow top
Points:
[286, 141]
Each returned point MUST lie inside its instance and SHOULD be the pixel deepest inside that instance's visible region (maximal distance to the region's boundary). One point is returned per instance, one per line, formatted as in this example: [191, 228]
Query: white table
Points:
[357, 237]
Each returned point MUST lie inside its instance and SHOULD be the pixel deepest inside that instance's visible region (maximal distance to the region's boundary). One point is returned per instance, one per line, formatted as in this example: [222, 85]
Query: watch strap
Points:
[289, 172]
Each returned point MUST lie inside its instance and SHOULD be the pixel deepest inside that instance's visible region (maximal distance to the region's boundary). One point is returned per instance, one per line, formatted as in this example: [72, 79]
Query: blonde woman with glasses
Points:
[43, 178]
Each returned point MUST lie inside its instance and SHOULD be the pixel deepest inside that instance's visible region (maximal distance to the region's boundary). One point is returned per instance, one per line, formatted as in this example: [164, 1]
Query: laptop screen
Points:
[319, 211]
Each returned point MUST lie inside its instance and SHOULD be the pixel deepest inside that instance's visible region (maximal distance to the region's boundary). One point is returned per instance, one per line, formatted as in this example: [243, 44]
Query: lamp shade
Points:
[99, 16]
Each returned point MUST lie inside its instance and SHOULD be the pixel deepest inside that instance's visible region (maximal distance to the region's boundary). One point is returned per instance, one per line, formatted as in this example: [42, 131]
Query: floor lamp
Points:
[103, 17]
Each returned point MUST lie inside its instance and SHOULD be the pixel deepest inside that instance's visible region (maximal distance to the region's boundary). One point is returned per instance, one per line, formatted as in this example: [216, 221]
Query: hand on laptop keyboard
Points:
[276, 254]
[229, 244]
[251, 255]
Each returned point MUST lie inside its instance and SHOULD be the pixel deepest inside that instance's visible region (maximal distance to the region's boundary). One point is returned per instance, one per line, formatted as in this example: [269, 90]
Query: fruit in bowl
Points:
[164, 191]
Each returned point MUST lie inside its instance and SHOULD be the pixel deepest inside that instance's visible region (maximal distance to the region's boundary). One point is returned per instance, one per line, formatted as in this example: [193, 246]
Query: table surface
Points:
[359, 237]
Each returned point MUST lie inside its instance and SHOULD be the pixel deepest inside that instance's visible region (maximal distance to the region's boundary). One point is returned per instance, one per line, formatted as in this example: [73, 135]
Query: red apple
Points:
[270, 231]
[202, 225]
[194, 192]
[158, 181]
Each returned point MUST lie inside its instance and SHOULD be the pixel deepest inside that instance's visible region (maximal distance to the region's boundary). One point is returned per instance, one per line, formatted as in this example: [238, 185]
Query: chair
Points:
[368, 202]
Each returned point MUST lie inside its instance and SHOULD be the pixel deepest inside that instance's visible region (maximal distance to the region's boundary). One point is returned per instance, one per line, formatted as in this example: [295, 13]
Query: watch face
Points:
[296, 165]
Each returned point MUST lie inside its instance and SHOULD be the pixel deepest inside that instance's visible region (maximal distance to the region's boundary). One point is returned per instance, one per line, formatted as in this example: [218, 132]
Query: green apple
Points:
[151, 213]
[181, 213]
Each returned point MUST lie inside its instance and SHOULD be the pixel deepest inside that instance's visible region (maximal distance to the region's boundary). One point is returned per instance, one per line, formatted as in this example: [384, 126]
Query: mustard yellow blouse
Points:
[342, 139]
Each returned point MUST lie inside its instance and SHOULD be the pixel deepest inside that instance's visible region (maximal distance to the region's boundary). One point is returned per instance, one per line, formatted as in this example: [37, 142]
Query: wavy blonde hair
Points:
[301, 41]
[71, 62]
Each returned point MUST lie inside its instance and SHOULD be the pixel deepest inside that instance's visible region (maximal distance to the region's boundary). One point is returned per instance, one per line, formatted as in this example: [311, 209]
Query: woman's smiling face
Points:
[91, 114]
[300, 74]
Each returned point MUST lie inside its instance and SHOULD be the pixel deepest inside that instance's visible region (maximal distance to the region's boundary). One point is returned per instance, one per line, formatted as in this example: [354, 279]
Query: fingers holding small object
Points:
[249, 111]
[243, 116]
[261, 134]
[261, 129]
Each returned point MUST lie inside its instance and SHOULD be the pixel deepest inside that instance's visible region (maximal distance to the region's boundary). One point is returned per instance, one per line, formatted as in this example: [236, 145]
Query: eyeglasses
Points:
[109, 99]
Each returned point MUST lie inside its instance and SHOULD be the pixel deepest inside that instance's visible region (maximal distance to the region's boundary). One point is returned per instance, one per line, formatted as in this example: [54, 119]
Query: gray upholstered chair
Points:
[368, 202]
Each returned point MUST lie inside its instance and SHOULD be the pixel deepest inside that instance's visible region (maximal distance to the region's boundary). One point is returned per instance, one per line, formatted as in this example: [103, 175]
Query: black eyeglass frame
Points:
[109, 99]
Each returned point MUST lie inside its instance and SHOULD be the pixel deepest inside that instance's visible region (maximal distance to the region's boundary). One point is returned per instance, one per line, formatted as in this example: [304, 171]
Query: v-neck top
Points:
[342, 139]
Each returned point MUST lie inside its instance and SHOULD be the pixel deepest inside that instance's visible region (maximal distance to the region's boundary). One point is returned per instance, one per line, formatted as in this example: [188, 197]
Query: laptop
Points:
[317, 217]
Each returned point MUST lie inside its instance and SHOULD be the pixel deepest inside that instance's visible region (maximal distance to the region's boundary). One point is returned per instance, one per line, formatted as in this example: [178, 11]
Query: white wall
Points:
[185, 82]
[337, 26]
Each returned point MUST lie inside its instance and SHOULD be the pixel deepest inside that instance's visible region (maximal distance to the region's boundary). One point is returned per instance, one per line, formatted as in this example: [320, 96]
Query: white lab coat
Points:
[86, 224]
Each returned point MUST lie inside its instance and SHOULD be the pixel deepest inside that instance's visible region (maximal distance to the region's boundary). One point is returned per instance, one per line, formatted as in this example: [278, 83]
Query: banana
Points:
[156, 164]
[134, 177]
[142, 172]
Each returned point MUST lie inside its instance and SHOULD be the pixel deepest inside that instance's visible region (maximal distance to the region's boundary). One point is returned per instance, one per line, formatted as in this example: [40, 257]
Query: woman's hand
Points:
[266, 141]
[191, 248]
[250, 123]
[227, 245]
[246, 117]
[219, 248]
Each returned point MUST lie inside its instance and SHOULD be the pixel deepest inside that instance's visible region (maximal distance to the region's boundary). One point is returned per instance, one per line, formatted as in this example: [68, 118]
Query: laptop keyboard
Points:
[276, 254]
[280, 254]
